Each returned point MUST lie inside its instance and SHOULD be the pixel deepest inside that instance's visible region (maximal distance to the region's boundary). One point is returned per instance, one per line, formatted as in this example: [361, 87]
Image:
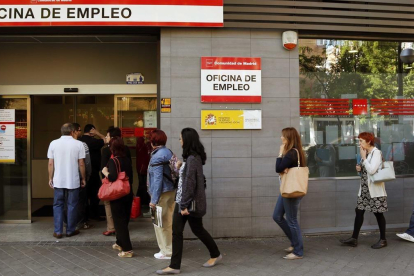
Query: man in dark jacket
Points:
[94, 182]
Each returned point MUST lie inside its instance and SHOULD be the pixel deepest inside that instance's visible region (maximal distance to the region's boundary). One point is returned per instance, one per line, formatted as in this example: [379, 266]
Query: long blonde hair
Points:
[293, 141]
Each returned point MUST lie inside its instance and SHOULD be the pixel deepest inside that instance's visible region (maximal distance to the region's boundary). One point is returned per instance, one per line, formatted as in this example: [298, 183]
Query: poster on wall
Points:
[150, 119]
[186, 13]
[231, 80]
[231, 119]
[7, 136]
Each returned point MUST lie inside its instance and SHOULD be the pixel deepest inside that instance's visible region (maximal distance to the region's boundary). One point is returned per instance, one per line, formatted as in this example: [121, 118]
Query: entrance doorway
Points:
[15, 159]
[23, 186]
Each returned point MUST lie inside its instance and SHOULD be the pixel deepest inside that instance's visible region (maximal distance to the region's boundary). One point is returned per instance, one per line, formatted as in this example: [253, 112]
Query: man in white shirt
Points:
[66, 161]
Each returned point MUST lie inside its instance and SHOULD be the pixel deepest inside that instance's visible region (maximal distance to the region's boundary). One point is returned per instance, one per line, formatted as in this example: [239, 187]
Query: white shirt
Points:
[66, 153]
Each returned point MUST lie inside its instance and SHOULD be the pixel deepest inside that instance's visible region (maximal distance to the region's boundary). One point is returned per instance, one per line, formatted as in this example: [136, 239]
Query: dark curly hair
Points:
[192, 144]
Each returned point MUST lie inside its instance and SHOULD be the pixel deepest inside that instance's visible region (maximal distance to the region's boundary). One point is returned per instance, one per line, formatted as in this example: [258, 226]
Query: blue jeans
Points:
[290, 225]
[71, 196]
[410, 229]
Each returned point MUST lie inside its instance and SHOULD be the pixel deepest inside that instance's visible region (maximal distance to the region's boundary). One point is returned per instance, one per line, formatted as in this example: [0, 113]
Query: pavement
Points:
[25, 250]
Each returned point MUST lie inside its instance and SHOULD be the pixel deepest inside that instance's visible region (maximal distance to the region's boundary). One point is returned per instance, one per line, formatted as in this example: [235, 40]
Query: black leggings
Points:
[359, 220]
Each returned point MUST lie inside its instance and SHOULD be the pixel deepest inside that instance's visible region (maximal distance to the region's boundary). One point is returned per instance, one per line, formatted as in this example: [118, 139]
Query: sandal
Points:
[127, 254]
[116, 247]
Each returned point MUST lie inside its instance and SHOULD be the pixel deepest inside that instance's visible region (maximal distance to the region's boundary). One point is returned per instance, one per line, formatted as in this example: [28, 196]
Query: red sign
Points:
[392, 106]
[359, 106]
[324, 107]
[191, 13]
[231, 80]
[3, 127]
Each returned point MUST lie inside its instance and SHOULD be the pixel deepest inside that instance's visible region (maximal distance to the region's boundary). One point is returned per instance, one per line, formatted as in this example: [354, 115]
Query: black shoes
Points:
[350, 242]
[379, 244]
[354, 242]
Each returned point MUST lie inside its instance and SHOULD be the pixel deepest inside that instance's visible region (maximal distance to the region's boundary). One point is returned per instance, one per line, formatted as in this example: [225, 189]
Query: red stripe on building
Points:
[175, 24]
[324, 107]
[219, 63]
[7, 123]
[118, 2]
[231, 99]
[392, 106]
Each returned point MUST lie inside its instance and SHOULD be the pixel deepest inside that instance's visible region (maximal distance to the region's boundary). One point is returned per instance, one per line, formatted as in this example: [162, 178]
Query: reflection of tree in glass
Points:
[365, 68]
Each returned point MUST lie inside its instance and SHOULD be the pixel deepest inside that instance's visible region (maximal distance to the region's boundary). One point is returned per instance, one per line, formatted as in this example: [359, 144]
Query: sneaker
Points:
[406, 237]
[161, 256]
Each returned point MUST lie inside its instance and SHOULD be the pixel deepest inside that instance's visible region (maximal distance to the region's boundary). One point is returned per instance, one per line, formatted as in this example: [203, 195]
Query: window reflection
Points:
[348, 87]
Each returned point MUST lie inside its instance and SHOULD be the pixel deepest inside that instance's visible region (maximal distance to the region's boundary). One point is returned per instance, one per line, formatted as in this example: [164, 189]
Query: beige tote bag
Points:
[295, 181]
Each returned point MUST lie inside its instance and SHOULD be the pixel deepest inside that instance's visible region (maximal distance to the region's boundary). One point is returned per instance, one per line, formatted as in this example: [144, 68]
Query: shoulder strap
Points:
[382, 157]
[118, 165]
[298, 156]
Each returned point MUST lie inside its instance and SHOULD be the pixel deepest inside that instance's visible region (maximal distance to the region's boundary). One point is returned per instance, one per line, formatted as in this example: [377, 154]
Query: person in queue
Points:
[94, 182]
[191, 188]
[83, 220]
[162, 192]
[372, 196]
[143, 152]
[289, 151]
[105, 156]
[121, 208]
[66, 169]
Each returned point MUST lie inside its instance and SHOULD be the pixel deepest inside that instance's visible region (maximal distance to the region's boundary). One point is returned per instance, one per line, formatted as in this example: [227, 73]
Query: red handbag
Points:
[114, 190]
[136, 208]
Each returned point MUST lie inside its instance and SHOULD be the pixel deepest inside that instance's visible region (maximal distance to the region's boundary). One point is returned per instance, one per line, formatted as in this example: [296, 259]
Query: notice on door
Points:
[7, 136]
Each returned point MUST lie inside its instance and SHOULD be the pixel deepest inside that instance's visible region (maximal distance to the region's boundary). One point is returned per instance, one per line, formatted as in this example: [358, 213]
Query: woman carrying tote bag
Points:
[121, 207]
[372, 196]
[290, 149]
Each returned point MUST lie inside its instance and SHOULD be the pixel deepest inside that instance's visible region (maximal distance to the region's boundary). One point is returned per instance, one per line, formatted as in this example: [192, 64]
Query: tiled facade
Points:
[242, 184]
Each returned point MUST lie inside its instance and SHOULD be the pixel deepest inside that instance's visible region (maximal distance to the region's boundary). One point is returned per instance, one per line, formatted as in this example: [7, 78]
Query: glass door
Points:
[15, 159]
[136, 116]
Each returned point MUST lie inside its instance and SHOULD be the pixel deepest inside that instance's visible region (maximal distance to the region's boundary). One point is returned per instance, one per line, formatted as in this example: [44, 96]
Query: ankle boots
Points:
[350, 242]
[379, 244]
[354, 242]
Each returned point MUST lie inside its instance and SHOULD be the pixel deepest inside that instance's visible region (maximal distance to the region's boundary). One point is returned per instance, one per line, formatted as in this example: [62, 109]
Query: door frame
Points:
[29, 163]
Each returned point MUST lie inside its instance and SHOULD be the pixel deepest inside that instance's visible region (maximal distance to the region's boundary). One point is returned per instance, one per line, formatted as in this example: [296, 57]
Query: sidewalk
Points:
[259, 257]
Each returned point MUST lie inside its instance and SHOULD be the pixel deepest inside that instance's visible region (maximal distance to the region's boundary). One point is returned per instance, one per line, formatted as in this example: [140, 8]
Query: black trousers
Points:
[121, 212]
[83, 206]
[359, 220]
[142, 192]
[197, 228]
[93, 186]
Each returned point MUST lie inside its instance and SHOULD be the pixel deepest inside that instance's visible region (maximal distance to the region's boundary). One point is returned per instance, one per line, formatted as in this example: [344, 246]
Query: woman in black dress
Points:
[121, 208]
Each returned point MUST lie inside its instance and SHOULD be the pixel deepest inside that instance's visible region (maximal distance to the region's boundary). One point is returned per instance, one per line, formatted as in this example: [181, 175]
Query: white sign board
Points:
[7, 136]
[231, 80]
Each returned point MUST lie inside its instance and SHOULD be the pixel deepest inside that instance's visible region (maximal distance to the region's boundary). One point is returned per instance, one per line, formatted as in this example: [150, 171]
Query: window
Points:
[348, 87]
